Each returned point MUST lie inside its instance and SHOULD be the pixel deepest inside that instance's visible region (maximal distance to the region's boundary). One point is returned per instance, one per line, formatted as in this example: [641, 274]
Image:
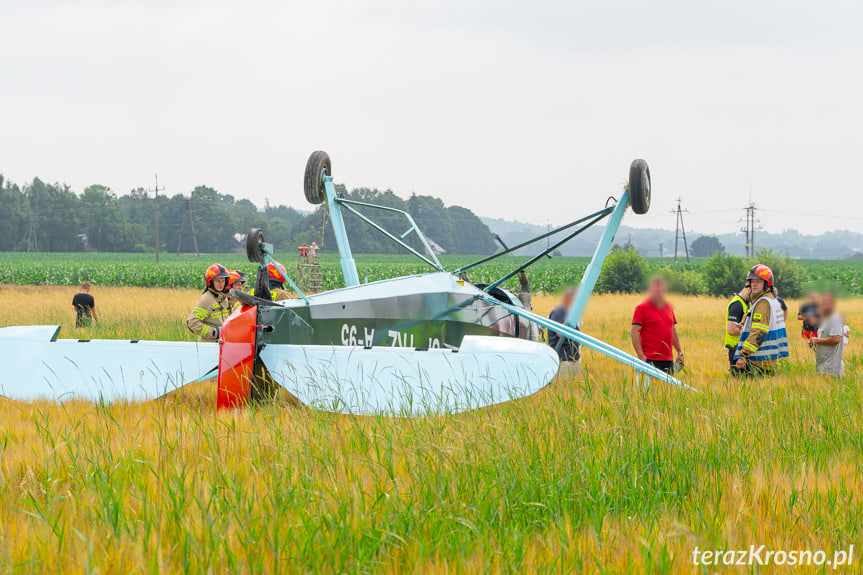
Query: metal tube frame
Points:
[269, 259]
[588, 341]
[544, 253]
[591, 273]
[346, 258]
[603, 212]
[433, 261]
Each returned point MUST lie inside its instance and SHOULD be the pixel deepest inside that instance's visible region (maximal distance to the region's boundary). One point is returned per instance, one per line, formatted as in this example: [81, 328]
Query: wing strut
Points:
[590, 342]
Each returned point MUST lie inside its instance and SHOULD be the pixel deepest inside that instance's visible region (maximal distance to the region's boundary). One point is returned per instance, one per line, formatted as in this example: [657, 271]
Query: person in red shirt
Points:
[654, 329]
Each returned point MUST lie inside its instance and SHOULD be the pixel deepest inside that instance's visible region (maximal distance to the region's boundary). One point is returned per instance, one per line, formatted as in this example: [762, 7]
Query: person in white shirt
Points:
[829, 343]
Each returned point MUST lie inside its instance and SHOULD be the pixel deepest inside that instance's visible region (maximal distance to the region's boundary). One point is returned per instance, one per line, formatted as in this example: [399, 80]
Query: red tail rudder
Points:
[237, 358]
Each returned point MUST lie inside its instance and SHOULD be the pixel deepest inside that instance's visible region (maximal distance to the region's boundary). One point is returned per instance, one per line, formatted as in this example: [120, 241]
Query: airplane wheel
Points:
[639, 186]
[254, 239]
[317, 167]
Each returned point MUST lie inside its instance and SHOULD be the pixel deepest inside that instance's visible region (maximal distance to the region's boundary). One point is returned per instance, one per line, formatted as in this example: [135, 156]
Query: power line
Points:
[749, 227]
[156, 191]
[680, 230]
[188, 213]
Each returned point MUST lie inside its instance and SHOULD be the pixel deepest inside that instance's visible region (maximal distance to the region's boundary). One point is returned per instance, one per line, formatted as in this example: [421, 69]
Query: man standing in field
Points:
[738, 307]
[569, 351]
[212, 308]
[829, 342]
[763, 340]
[654, 329]
[85, 307]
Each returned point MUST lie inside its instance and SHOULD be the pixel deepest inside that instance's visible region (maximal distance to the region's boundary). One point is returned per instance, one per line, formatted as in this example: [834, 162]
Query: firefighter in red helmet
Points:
[236, 280]
[763, 340]
[277, 276]
[212, 308]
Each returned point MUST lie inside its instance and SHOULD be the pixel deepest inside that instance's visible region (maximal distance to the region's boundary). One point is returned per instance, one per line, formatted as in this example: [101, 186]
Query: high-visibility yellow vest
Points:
[273, 293]
[732, 340]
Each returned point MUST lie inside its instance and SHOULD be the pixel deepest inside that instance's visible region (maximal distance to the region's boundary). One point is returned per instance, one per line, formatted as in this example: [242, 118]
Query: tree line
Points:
[46, 217]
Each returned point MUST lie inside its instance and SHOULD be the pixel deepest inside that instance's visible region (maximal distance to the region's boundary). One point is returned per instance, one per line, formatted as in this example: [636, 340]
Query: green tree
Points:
[470, 234]
[14, 215]
[724, 275]
[624, 271]
[686, 282]
[54, 208]
[789, 276]
[103, 219]
[706, 246]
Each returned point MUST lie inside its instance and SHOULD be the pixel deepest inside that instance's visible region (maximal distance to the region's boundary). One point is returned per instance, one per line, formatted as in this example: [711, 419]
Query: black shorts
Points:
[662, 365]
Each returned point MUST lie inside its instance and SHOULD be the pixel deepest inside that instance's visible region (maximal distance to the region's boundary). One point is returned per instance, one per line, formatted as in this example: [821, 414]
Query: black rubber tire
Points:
[639, 186]
[313, 184]
[254, 239]
[262, 285]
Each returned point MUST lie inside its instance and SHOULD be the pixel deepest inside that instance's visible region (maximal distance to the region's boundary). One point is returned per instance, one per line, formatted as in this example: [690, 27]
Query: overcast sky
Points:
[521, 110]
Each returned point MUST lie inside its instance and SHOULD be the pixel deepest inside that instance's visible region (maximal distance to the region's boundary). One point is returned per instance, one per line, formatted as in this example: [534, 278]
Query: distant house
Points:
[436, 248]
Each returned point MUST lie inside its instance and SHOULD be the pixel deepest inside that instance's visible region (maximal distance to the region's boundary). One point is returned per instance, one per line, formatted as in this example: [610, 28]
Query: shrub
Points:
[724, 275]
[789, 275]
[624, 272]
[686, 282]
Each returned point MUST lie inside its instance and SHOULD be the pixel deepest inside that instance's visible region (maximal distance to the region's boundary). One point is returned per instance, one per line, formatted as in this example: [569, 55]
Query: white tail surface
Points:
[396, 381]
[33, 365]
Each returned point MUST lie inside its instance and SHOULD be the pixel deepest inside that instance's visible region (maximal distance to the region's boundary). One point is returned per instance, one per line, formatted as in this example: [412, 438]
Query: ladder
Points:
[309, 277]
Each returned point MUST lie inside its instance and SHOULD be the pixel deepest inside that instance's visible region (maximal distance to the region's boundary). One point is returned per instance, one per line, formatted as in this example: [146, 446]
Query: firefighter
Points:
[278, 277]
[236, 280]
[738, 307]
[763, 340]
[212, 308]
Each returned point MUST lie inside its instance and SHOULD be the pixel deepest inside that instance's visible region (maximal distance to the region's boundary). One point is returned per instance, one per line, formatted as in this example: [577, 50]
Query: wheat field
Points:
[593, 474]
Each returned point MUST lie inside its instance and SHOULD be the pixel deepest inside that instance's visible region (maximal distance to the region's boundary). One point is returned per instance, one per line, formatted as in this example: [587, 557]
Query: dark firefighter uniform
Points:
[209, 314]
[763, 340]
[212, 308]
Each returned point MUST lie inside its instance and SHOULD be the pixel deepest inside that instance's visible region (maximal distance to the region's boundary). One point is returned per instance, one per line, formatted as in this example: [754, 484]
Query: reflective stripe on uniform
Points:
[775, 342]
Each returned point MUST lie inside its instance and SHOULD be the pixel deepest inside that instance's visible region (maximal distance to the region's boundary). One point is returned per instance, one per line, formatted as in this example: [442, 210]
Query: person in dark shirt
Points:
[738, 307]
[569, 350]
[809, 315]
[782, 303]
[85, 307]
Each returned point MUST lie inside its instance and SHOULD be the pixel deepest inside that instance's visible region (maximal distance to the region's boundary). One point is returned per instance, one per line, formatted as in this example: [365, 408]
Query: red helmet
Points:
[277, 272]
[235, 277]
[213, 272]
[761, 272]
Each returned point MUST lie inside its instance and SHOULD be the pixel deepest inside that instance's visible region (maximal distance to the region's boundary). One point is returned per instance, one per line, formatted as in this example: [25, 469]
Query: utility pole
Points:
[749, 227]
[183, 229]
[661, 247]
[30, 237]
[680, 230]
[157, 190]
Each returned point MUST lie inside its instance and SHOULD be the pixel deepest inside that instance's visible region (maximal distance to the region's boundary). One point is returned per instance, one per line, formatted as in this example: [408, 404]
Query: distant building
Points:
[436, 248]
